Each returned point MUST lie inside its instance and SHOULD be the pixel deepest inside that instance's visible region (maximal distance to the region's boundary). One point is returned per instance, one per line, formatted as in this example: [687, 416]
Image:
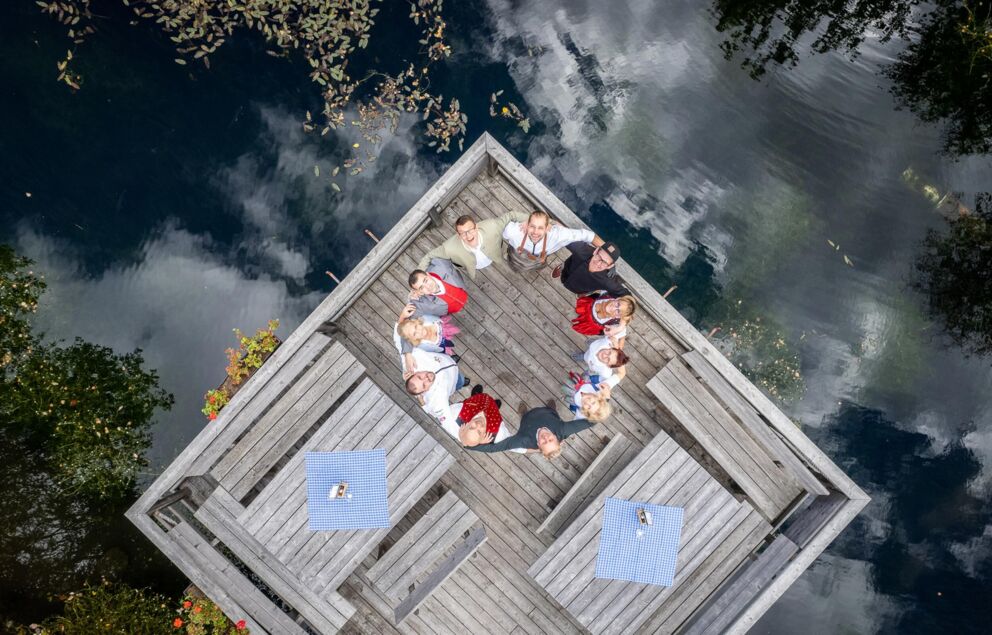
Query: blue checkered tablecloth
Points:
[648, 557]
[365, 473]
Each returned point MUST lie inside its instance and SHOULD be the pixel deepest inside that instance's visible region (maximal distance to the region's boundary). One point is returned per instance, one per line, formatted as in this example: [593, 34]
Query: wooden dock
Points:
[493, 543]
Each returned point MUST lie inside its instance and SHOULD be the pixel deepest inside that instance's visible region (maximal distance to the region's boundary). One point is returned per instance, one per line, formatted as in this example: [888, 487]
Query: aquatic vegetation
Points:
[770, 227]
[760, 349]
[328, 34]
[509, 110]
[892, 351]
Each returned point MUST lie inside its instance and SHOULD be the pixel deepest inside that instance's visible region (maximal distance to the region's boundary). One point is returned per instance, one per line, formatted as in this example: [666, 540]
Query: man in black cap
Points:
[590, 269]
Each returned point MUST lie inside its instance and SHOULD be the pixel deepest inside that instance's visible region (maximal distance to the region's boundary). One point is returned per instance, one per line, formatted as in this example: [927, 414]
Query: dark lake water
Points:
[169, 206]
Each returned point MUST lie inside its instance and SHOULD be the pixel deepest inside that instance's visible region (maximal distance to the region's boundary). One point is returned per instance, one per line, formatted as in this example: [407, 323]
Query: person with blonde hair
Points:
[589, 397]
[427, 333]
[532, 241]
[602, 313]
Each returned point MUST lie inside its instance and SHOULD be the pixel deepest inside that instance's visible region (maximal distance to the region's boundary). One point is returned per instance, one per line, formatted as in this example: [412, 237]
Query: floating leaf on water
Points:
[335, 187]
[180, 61]
[848, 261]
[499, 92]
[831, 243]
[355, 145]
[309, 117]
[316, 170]
[334, 172]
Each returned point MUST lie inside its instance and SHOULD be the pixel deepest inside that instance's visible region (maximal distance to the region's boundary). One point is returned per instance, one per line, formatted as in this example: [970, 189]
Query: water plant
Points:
[761, 350]
[328, 34]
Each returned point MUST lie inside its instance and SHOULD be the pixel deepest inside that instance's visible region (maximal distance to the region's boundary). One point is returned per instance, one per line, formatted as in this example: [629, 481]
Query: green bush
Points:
[112, 608]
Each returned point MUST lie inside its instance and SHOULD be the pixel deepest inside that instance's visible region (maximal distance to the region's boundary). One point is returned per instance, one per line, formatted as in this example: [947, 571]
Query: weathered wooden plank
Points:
[692, 590]
[419, 538]
[680, 404]
[644, 601]
[497, 590]
[426, 475]
[263, 505]
[751, 455]
[781, 485]
[464, 588]
[413, 568]
[440, 574]
[400, 442]
[668, 476]
[307, 412]
[805, 523]
[593, 480]
[275, 411]
[286, 530]
[566, 546]
[749, 417]
[358, 590]
[222, 582]
[722, 610]
[327, 615]
[700, 497]
[266, 511]
[636, 603]
[251, 401]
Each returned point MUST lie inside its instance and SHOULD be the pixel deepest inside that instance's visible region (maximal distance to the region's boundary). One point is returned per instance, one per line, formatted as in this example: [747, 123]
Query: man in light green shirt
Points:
[474, 245]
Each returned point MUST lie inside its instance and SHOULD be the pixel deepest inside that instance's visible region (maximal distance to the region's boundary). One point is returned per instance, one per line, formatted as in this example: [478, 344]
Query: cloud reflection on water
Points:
[647, 115]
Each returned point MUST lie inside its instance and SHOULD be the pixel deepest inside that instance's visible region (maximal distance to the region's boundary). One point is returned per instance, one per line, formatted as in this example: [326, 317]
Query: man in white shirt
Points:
[608, 361]
[474, 245]
[436, 379]
[531, 242]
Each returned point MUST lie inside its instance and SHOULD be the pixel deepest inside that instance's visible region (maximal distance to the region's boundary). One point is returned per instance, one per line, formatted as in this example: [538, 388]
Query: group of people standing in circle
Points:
[425, 332]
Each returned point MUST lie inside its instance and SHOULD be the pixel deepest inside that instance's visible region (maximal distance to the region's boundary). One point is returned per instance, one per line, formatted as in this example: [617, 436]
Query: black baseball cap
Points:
[612, 249]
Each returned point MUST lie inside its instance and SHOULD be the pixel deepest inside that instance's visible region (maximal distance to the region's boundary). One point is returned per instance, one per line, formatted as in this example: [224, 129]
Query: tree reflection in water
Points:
[943, 75]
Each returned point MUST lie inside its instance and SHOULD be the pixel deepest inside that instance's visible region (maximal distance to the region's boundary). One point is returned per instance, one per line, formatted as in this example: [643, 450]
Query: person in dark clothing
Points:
[590, 269]
[541, 430]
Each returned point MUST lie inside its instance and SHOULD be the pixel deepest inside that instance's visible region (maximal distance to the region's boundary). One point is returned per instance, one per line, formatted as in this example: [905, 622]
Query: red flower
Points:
[197, 608]
[240, 625]
[187, 604]
[212, 416]
[212, 399]
[178, 623]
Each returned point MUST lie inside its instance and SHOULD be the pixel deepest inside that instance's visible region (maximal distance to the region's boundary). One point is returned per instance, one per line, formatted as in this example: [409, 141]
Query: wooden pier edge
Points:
[486, 154]
[679, 326]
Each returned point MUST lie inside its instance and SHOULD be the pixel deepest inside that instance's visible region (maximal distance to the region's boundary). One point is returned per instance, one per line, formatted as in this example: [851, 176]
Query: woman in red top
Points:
[594, 313]
[479, 418]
